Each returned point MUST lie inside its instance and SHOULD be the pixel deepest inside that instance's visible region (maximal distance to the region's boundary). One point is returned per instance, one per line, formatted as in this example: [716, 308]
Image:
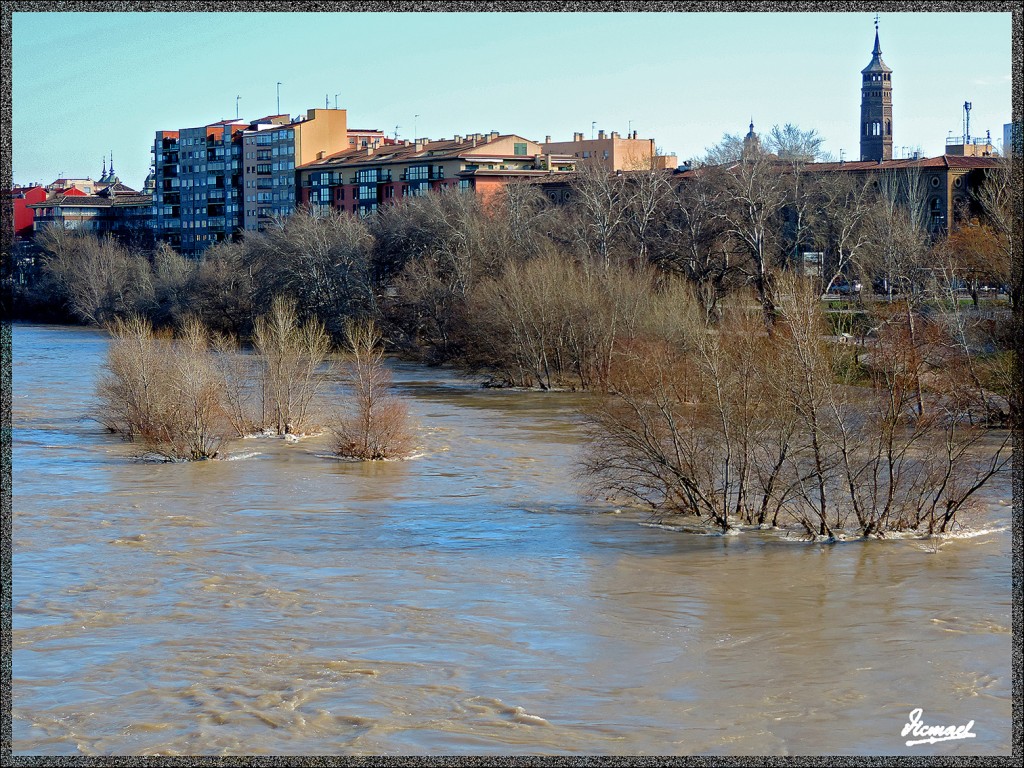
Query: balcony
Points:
[382, 178]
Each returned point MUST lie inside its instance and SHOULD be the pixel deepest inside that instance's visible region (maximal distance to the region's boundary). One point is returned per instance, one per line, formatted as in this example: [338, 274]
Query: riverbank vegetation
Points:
[723, 386]
[739, 427]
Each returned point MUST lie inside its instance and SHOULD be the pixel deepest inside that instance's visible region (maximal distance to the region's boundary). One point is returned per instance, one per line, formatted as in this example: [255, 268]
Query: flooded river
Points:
[463, 602]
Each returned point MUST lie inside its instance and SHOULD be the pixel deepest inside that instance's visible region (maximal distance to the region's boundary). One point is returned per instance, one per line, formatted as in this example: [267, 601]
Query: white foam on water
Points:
[240, 456]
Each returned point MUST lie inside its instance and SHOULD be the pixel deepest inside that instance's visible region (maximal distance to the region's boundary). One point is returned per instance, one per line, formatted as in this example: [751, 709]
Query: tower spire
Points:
[876, 107]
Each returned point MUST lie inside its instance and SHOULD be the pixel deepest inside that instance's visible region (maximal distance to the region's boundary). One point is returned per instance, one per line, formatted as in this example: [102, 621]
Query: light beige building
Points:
[273, 148]
[612, 151]
[970, 147]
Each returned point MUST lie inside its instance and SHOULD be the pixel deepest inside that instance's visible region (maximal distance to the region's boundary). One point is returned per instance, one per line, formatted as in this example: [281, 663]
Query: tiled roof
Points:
[94, 201]
[942, 161]
[396, 153]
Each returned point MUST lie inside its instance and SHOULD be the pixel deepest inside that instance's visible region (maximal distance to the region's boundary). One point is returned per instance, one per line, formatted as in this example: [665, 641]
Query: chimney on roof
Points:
[615, 134]
[493, 135]
[547, 139]
[475, 137]
[320, 155]
[634, 134]
[457, 139]
[369, 151]
[600, 134]
[577, 137]
[405, 142]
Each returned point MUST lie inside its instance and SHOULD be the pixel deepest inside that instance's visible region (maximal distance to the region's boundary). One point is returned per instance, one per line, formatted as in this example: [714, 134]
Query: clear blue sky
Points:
[88, 83]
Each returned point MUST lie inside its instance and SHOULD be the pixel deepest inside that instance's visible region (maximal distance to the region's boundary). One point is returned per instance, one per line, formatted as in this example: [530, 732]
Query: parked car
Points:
[846, 288]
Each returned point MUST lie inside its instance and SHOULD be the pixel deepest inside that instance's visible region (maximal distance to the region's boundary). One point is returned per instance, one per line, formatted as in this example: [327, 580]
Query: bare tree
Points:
[728, 150]
[645, 198]
[163, 394]
[323, 261]
[376, 423]
[794, 144]
[600, 202]
[846, 208]
[289, 357]
[98, 278]
[753, 192]
[1000, 199]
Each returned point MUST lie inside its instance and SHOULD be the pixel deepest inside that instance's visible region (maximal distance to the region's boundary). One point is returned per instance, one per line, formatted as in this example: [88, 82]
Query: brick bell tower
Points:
[876, 107]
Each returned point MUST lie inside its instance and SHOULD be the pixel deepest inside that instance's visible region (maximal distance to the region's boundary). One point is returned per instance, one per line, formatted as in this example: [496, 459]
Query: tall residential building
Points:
[197, 187]
[359, 180]
[215, 181]
[876, 107]
[275, 146]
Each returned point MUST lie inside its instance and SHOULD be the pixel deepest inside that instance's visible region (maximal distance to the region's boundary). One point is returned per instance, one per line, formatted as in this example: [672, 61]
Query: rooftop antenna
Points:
[279, 97]
[842, 152]
[414, 119]
[237, 98]
[327, 101]
[593, 125]
[967, 122]
[396, 132]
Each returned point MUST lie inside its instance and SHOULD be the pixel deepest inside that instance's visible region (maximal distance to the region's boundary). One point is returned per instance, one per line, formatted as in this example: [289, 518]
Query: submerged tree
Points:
[375, 424]
[290, 355]
[163, 393]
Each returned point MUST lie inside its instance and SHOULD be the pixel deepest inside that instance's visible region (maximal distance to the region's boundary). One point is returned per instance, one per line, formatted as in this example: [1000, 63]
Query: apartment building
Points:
[359, 180]
[196, 195]
[212, 182]
[613, 152]
[275, 146]
[116, 210]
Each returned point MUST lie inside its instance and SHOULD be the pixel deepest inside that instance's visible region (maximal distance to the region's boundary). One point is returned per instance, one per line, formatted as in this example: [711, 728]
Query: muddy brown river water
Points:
[463, 602]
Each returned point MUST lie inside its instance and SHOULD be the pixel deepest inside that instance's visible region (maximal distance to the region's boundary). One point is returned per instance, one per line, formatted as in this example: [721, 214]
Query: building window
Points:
[519, 148]
[418, 172]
